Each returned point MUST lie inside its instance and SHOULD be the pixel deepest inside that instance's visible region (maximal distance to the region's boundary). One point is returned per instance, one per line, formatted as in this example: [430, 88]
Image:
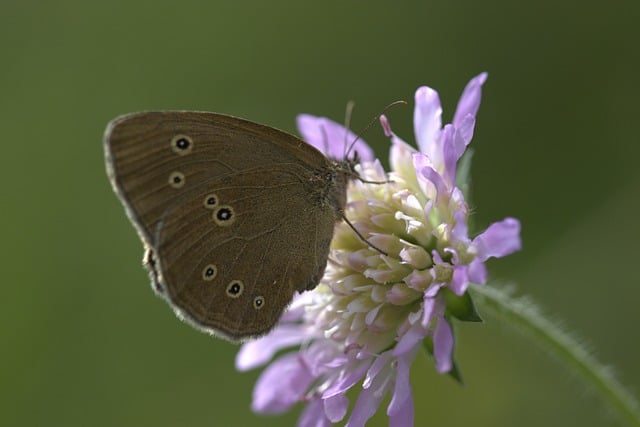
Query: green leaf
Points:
[461, 307]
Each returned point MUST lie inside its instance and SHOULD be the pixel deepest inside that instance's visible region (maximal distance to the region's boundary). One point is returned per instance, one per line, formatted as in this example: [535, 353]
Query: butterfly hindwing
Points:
[236, 216]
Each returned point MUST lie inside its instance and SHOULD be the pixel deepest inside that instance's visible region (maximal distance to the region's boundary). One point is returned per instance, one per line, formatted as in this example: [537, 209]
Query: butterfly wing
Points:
[234, 215]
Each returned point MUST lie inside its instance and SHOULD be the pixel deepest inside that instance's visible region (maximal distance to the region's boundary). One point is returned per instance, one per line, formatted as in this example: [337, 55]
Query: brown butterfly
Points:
[235, 216]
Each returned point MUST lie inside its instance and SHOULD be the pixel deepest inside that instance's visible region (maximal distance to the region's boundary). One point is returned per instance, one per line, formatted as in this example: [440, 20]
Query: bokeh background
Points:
[85, 342]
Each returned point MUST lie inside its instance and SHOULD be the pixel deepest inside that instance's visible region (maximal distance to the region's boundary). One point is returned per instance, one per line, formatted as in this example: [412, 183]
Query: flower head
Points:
[366, 321]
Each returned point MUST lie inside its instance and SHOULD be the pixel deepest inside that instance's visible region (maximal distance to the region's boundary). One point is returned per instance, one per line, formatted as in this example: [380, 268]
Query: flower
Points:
[370, 314]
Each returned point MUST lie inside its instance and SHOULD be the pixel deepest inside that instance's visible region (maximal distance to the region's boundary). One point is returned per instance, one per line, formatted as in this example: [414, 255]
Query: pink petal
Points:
[421, 161]
[500, 239]
[400, 409]
[428, 307]
[258, 352]
[449, 155]
[431, 182]
[313, 415]
[427, 118]
[454, 144]
[470, 99]
[332, 138]
[433, 289]
[460, 230]
[348, 377]
[443, 345]
[477, 272]
[335, 407]
[321, 352]
[410, 339]
[380, 362]
[367, 403]
[404, 417]
[281, 385]
[297, 308]
[460, 280]
[464, 131]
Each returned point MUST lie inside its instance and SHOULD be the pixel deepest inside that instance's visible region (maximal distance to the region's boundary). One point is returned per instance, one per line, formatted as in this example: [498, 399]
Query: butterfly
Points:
[235, 216]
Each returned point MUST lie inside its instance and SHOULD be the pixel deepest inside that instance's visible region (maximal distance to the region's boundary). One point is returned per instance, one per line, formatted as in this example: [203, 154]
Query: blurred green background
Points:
[85, 341]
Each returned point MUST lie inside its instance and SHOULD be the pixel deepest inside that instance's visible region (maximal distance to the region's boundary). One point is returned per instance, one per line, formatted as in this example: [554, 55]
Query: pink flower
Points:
[371, 314]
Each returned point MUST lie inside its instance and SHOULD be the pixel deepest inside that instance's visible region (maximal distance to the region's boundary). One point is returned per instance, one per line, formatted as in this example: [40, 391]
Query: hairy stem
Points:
[523, 314]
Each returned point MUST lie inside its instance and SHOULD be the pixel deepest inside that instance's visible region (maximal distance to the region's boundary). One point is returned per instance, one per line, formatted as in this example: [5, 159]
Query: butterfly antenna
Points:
[375, 119]
[347, 124]
[355, 230]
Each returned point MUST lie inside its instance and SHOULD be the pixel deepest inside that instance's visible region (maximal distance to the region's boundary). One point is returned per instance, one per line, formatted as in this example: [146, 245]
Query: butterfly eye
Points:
[224, 215]
[176, 179]
[210, 272]
[235, 288]
[211, 201]
[258, 302]
[181, 144]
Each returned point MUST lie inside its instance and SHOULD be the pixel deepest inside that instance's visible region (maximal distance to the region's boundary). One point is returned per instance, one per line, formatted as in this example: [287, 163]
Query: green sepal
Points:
[461, 307]
[463, 182]
[463, 174]
[455, 372]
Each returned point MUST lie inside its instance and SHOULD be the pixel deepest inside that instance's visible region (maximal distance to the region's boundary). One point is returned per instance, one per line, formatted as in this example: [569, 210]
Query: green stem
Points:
[522, 314]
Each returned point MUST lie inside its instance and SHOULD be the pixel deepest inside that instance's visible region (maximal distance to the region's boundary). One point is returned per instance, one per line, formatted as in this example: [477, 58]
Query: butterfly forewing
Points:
[237, 216]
